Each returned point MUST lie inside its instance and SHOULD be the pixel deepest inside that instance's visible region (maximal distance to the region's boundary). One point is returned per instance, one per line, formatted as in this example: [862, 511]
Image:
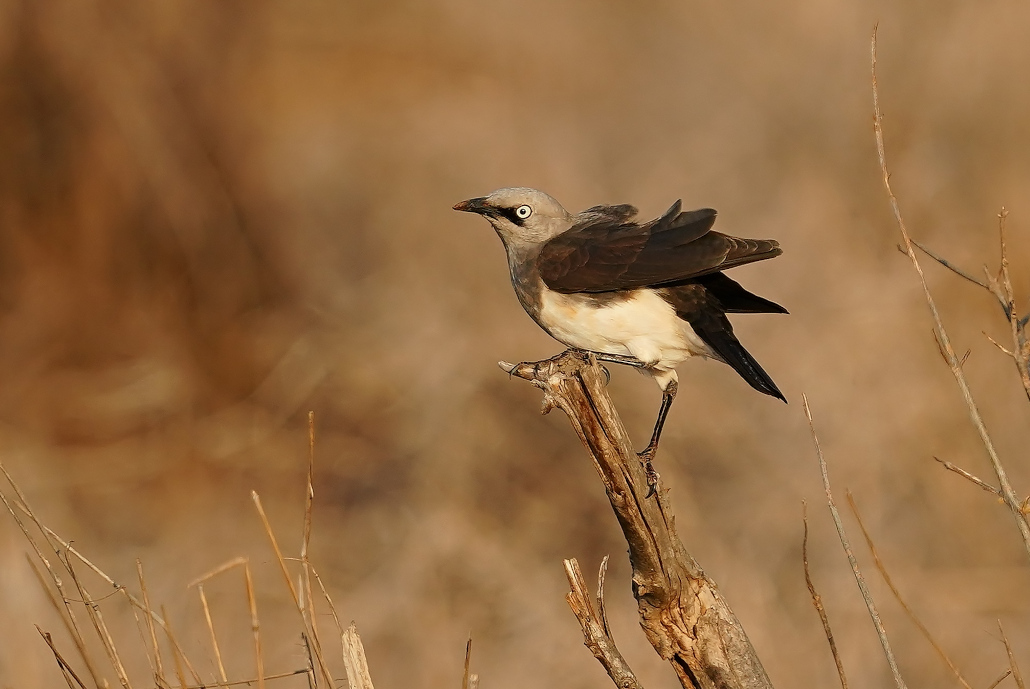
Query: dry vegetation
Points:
[217, 216]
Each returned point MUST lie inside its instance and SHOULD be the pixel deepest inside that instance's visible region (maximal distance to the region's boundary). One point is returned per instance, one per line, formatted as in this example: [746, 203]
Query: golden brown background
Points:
[216, 216]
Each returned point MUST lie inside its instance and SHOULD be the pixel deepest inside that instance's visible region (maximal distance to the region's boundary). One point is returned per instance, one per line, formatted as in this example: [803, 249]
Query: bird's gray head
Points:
[520, 215]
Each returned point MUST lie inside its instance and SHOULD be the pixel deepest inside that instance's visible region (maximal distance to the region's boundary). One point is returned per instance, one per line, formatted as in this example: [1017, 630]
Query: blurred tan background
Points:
[216, 216]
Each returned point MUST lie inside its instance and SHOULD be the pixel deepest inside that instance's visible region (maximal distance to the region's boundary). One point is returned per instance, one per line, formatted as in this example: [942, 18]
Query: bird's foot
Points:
[621, 359]
[647, 457]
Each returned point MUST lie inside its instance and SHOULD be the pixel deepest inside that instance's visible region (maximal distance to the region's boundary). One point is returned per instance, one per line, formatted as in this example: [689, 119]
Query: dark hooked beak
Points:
[477, 205]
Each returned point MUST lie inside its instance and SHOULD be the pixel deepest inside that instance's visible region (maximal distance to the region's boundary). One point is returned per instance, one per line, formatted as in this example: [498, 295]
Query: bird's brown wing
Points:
[606, 251]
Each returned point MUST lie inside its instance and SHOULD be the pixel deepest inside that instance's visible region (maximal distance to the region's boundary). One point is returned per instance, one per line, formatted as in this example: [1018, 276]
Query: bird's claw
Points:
[647, 456]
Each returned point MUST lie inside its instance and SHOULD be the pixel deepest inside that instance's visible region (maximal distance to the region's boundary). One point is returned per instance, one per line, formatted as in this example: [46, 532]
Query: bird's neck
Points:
[525, 276]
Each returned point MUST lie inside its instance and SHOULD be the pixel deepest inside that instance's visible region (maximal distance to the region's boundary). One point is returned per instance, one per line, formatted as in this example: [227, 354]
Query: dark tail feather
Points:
[736, 299]
[719, 336]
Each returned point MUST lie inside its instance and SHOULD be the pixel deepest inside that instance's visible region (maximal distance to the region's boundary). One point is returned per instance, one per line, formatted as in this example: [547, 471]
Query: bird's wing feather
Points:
[606, 251]
[735, 299]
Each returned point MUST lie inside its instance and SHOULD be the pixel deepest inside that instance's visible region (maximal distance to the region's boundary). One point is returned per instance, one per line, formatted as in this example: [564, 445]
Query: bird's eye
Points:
[523, 212]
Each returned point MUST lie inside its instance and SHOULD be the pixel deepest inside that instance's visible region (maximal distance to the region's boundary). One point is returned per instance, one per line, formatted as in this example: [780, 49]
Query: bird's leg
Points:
[668, 395]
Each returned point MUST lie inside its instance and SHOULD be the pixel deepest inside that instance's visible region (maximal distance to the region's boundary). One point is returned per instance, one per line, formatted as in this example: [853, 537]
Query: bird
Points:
[647, 294]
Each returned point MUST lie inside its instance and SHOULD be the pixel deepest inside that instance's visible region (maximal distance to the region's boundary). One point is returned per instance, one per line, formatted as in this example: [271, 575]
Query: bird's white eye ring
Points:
[523, 212]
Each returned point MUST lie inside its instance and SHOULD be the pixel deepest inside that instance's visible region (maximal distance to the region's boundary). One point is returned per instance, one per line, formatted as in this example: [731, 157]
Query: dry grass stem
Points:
[66, 669]
[70, 559]
[817, 601]
[159, 672]
[468, 661]
[307, 599]
[68, 549]
[897, 595]
[297, 601]
[1013, 665]
[329, 600]
[251, 681]
[312, 680]
[71, 621]
[214, 639]
[469, 680]
[866, 596]
[177, 655]
[1000, 679]
[143, 640]
[67, 616]
[354, 660]
[595, 637]
[954, 364]
[97, 618]
[231, 564]
[255, 625]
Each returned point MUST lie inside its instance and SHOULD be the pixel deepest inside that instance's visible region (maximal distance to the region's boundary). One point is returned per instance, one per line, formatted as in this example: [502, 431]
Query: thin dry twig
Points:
[1001, 347]
[1013, 665]
[1020, 344]
[1008, 493]
[969, 477]
[866, 596]
[946, 263]
[897, 594]
[817, 600]
[1001, 288]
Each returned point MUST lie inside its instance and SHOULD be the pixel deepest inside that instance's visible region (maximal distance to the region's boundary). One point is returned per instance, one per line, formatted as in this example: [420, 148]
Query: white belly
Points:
[644, 326]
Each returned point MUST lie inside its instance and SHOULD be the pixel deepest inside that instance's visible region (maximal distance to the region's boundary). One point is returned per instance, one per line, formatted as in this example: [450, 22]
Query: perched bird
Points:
[649, 294]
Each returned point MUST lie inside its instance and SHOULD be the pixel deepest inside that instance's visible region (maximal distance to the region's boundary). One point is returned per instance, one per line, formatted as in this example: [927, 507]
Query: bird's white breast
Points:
[640, 324]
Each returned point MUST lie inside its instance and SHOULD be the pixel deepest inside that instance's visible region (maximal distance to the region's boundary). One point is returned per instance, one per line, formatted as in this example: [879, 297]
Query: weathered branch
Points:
[681, 610]
[596, 635]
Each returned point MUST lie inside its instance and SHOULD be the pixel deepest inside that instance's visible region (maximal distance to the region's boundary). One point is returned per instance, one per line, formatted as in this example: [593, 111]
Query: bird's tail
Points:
[727, 346]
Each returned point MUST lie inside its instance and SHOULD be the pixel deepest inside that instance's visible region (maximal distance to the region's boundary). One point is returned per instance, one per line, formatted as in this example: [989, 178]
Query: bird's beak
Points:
[477, 205]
